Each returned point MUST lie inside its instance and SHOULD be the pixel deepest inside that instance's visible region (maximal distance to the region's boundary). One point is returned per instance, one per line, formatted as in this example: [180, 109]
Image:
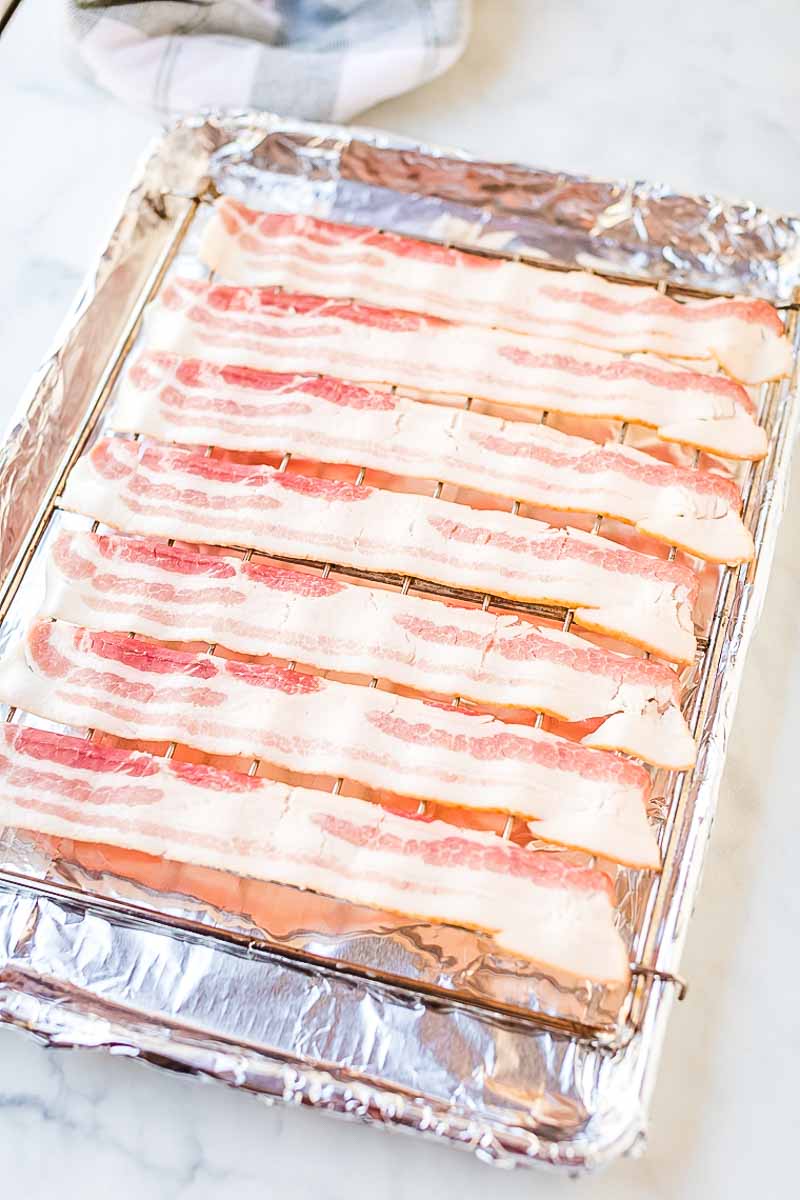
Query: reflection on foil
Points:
[84, 971]
[634, 228]
[378, 1054]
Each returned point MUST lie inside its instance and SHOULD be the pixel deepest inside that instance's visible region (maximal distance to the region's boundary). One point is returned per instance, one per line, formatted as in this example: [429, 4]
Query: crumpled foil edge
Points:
[76, 973]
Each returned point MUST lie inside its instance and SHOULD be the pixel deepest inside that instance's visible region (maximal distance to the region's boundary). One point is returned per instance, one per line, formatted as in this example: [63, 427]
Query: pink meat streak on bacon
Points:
[626, 369]
[299, 583]
[695, 510]
[296, 251]
[559, 754]
[121, 584]
[752, 312]
[611, 588]
[323, 489]
[337, 846]
[275, 302]
[153, 367]
[431, 631]
[40, 746]
[159, 660]
[169, 558]
[576, 796]
[557, 542]
[608, 458]
[76, 791]
[178, 561]
[455, 851]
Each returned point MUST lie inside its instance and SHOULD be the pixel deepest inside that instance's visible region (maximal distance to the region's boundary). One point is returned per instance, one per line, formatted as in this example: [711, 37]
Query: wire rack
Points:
[676, 799]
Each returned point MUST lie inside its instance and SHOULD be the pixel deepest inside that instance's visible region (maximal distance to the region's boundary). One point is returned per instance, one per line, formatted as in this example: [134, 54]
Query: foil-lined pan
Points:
[409, 1026]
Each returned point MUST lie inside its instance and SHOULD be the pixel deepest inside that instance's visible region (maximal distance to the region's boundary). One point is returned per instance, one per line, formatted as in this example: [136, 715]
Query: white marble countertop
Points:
[702, 95]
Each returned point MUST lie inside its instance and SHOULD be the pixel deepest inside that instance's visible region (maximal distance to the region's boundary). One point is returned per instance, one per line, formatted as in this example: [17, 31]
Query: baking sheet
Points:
[563, 1101]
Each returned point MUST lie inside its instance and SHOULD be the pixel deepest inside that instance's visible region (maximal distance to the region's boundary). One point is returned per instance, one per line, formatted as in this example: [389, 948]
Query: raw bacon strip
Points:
[279, 331]
[189, 401]
[744, 336]
[537, 905]
[178, 493]
[117, 584]
[587, 799]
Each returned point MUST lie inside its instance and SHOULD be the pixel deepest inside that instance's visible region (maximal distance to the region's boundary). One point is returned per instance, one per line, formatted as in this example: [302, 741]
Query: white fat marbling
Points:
[702, 95]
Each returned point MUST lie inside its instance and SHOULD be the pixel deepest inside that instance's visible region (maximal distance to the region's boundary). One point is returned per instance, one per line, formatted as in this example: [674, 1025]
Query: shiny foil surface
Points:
[90, 956]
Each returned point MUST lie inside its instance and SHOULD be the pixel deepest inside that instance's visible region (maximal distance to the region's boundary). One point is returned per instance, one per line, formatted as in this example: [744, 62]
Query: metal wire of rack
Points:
[645, 968]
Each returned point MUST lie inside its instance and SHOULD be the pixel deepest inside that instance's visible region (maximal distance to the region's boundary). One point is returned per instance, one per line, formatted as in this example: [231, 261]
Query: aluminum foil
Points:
[89, 955]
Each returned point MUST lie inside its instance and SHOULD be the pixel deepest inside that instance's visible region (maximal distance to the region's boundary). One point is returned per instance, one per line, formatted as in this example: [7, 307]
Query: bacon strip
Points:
[117, 583]
[586, 799]
[200, 403]
[182, 494]
[277, 331]
[536, 904]
[746, 337]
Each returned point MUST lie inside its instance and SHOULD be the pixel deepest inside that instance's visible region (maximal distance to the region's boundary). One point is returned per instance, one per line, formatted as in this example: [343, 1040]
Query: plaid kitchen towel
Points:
[324, 59]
